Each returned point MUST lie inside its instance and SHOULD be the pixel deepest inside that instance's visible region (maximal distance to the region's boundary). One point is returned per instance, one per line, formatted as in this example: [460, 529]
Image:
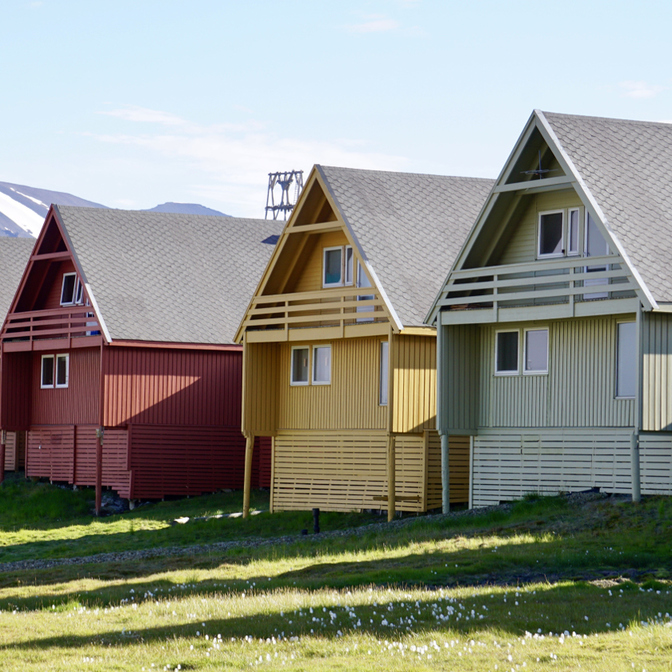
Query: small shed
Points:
[118, 359]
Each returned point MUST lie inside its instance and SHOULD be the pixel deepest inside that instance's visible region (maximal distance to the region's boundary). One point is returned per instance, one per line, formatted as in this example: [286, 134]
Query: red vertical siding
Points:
[52, 294]
[172, 387]
[75, 404]
[16, 397]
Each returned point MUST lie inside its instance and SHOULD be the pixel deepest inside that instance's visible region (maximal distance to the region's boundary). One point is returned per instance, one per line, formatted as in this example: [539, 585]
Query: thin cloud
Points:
[229, 164]
[376, 24]
[634, 89]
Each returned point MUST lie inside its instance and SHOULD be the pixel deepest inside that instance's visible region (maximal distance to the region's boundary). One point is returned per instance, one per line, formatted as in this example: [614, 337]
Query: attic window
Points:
[69, 289]
[551, 240]
[337, 266]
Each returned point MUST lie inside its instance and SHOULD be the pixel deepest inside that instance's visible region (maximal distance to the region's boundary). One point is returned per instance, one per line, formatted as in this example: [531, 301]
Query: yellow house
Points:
[338, 367]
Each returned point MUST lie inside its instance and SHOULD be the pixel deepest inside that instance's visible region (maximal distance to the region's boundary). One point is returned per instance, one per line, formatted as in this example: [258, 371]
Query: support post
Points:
[391, 476]
[634, 455]
[247, 483]
[445, 473]
[99, 470]
[3, 442]
[634, 441]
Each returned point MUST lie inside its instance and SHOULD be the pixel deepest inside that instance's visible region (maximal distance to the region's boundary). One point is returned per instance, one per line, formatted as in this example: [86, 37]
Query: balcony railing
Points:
[70, 322]
[551, 281]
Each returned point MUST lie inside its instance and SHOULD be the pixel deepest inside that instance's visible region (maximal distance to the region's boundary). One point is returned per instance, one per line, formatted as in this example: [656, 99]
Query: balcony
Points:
[551, 288]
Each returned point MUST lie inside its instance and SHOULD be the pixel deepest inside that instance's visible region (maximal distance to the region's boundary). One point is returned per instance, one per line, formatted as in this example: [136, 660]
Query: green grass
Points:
[543, 585]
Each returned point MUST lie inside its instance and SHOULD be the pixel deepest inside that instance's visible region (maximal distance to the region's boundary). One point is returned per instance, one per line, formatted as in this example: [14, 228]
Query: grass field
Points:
[549, 583]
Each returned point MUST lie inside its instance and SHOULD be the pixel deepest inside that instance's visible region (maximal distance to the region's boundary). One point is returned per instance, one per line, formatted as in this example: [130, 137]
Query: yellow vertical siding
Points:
[260, 389]
[579, 389]
[521, 246]
[656, 371]
[349, 402]
[414, 383]
[311, 274]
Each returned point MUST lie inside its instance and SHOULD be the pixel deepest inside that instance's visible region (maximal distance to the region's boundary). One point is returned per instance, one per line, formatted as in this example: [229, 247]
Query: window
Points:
[69, 289]
[363, 281]
[573, 232]
[626, 360]
[299, 375]
[551, 239]
[322, 365]
[596, 246]
[337, 265]
[54, 371]
[506, 353]
[384, 371]
[47, 375]
[62, 370]
[536, 351]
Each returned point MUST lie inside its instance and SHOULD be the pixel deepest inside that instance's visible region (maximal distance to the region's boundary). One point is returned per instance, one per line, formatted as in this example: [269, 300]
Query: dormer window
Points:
[337, 266]
[551, 238]
[72, 290]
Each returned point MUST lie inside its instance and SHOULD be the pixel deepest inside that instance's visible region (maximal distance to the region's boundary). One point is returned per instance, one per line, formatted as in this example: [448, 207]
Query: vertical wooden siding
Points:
[75, 404]
[460, 376]
[172, 387]
[414, 379]
[17, 368]
[349, 402]
[260, 414]
[52, 293]
[656, 371]
[311, 273]
[578, 391]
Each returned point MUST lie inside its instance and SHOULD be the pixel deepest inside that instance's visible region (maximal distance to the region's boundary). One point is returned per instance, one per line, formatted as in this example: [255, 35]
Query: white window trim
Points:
[74, 290]
[67, 370]
[324, 266]
[53, 368]
[506, 373]
[579, 238]
[616, 395]
[539, 372]
[380, 375]
[298, 383]
[314, 361]
[346, 282]
[551, 255]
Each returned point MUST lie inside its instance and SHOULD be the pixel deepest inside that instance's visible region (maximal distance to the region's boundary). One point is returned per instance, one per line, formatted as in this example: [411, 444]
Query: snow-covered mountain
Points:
[23, 209]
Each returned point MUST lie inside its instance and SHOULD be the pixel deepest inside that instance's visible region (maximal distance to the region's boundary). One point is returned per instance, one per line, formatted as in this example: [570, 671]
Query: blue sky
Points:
[134, 103]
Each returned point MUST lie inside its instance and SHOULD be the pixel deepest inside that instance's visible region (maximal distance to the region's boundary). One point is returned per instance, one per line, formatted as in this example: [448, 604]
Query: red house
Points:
[118, 358]
[14, 253]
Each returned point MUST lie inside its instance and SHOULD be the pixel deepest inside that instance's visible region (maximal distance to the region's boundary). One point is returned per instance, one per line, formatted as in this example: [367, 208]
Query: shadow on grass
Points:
[556, 609]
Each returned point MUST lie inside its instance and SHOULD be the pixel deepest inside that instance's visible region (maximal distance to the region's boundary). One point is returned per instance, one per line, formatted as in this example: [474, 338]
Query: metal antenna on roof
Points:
[539, 172]
[286, 203]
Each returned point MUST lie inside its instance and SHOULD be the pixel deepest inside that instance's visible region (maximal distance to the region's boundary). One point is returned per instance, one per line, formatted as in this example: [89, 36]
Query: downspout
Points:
[440, 425]
[249, 437]
[634, 442]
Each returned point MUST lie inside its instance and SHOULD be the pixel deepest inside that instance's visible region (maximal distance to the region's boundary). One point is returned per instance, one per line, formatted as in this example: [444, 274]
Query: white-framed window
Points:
[62, 370]
[573, 231]
[506, 353]
[384, 372]
[47, 371]
[626, 360]
[300, 365]
[69, 289]
[551, 239]
[536, 351]
[321, 365]
[337, 266]
[363, 281]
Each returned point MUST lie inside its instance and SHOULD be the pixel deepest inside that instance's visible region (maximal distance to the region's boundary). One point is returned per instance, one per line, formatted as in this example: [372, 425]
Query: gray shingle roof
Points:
[409, 226]
[169, 277]
[14, 254]
[627, 167]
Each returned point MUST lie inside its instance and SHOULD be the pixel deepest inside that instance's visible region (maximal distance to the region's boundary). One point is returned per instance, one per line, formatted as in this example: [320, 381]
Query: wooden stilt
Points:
[391, 476]
[2, 458]
[99, 470]
[249, 451]
[445, 473]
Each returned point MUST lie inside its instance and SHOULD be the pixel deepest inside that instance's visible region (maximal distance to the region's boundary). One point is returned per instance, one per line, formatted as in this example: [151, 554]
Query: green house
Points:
[554, 325]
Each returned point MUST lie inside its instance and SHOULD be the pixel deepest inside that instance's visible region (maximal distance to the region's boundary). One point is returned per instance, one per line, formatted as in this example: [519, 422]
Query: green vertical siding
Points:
[656, 371]
[460, 376]
[579, 389]
[521, 246]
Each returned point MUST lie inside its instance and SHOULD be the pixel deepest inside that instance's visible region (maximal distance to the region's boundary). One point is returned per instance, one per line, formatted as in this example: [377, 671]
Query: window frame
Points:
[48, 386]
[62, 356]
[325, 250]
[384, 367]
[577, 252]
[509, 372]
[298, 383]
[348, 266]
[616, 372]
[551, 255]
[534, 372]
[73, 299]
[314, 380]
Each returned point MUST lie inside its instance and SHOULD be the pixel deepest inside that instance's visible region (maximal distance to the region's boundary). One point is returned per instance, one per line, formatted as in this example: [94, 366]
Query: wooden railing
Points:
[67, 322]
[564, 280]
[337, 306]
